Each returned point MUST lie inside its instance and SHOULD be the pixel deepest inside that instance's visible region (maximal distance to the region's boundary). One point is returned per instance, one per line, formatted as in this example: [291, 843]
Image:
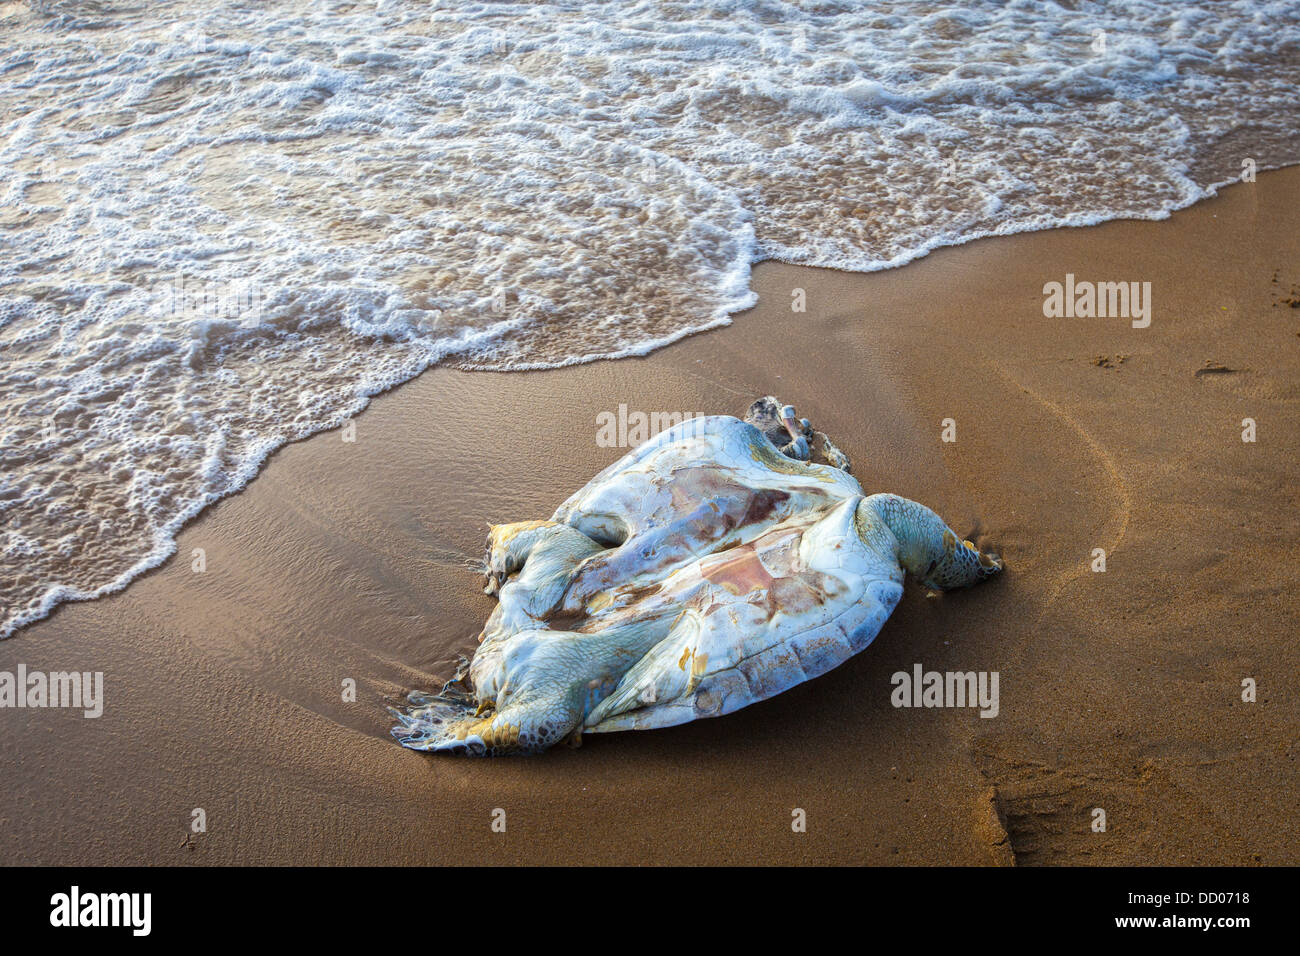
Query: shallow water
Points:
[223, 226]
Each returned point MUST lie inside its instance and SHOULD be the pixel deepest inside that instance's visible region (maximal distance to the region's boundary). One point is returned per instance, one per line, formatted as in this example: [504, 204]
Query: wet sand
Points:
[1119, 690]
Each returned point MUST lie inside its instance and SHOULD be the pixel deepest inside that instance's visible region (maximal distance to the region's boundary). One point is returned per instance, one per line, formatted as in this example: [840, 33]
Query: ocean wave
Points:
[226, 226]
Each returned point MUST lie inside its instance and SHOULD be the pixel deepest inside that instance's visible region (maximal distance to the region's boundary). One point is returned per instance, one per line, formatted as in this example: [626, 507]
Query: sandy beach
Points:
[1122, 690]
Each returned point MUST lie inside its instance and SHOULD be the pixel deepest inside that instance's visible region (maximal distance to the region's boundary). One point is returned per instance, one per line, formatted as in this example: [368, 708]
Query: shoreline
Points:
[181, 520]
[347, 561]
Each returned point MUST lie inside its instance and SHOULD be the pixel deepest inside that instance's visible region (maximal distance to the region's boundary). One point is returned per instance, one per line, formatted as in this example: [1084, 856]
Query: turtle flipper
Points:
[831, 452]
[509, 547]
[528, 724]
[545, 553]
[926, 547]
[535, 691]
[660, 676]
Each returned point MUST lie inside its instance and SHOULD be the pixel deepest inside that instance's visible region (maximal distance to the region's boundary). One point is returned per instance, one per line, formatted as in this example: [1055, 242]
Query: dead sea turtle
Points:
[702, 572]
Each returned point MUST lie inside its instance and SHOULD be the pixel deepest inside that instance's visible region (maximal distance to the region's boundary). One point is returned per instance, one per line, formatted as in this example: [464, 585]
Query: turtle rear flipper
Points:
[527, 725]
[545, 682]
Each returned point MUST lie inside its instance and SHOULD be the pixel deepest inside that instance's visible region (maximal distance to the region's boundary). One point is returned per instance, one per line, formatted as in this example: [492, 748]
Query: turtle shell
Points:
[759, 571]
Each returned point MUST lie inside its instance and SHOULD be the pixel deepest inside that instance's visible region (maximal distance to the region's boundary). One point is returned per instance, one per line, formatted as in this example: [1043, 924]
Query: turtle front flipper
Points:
[925, 546]
[831, 452]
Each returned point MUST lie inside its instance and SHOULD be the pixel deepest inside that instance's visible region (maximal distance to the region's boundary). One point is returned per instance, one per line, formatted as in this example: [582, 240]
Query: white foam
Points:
[383, 186]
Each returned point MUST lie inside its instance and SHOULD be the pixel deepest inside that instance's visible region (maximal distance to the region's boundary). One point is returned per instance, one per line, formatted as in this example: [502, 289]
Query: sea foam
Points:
[226, 226]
